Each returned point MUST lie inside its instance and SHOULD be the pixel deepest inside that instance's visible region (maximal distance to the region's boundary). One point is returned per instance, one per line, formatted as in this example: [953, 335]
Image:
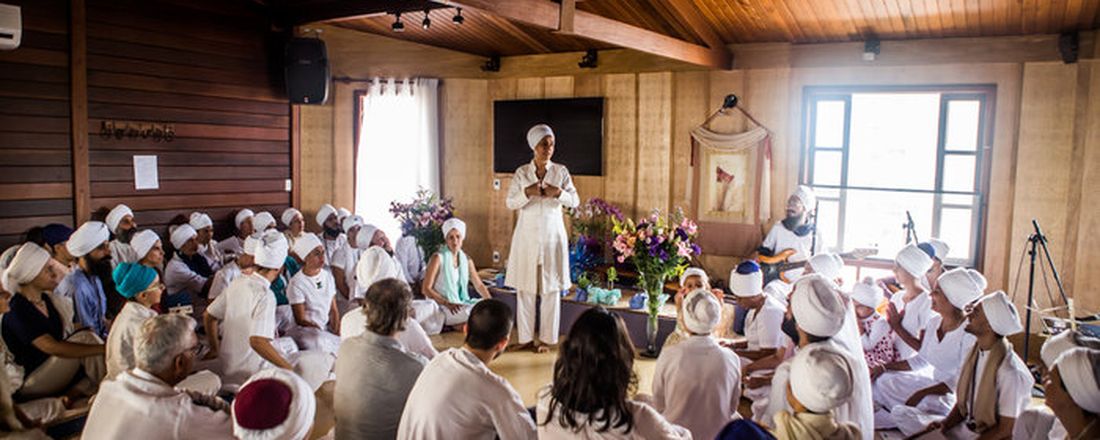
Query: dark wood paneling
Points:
[18, 225]
[16, 140]
[174, 187]
[173, 159]
[32, 89]
[33, 107]
[35, 208]
[168, 99]
[191, 145]
[191, 202]
[13, 157]
[30, 72]
[126, 173]
[164, 114]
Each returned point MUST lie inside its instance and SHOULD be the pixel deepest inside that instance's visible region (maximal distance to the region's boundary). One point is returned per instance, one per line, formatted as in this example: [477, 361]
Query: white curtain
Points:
[398, 147]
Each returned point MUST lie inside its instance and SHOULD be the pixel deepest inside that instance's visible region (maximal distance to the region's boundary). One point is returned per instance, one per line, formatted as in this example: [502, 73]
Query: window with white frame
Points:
[875, 154]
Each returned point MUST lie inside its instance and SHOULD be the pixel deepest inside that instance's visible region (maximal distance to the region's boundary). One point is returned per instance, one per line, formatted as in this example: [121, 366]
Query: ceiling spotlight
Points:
[427, 23]
[398, 26]
[458, 18]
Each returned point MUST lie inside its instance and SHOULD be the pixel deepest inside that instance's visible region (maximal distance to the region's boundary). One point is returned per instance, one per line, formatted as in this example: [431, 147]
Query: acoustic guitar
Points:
[776, 265]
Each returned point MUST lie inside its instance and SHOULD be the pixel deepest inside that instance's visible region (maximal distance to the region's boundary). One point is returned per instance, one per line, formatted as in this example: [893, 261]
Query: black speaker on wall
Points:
[307, 72]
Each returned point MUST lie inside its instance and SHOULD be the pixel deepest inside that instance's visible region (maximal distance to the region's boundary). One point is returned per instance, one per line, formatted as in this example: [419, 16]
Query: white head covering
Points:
[746, 284]
[536, 133]
[914, 261]
[868, 293]
[806, 196]
[452, 224]
[779, 290]
[694, 272]
[962, 286]
[365, 235]
[181, 234]
[89, 236]
[289, 214]
[262, 221]
[1079, 370]
[323, 213]
[241, 216]
[1001, 314]
[143, 242]
[821, 378]
[251, 243]
[306, 244]
[28, 262]
[1055, 346]
[271, 250]
[375, 265]
[116, 215]
[302, 408]
[941, 248]
[701, 311]
[828, 264]
[342, 213]
[351, 221]
[200, 220]
[817, 305]
[8, 255]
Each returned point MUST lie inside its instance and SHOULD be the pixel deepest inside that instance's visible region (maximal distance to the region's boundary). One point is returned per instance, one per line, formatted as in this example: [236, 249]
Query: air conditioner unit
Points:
[11, 27]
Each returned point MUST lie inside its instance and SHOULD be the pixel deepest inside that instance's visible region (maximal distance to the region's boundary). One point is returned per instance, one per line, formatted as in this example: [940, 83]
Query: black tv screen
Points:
[578, 133]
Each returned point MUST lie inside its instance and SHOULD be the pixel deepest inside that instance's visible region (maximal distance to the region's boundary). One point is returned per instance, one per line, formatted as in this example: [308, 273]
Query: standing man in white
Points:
[538, 265]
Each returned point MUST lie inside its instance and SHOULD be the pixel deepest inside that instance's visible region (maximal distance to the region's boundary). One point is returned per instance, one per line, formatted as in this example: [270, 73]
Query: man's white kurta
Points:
[246, 309]
[138, 405]
[124, 332]
[540, 238]
[697, 385]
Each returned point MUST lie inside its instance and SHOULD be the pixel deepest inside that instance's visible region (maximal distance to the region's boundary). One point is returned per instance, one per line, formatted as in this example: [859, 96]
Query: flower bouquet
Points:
[592, 222]
[659, 247]
[423, 218]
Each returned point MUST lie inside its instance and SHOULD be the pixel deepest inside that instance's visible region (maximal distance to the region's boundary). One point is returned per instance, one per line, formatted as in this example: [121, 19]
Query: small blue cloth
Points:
[605, 297]
[637, 302]
[744, 429]
[582, 295]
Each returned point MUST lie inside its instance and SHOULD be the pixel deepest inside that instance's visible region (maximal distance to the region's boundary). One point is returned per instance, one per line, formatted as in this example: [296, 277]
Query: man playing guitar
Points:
[796, 233]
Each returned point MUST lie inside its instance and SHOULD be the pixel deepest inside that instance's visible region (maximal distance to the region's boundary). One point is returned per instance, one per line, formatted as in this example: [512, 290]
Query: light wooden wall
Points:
[1045, 151]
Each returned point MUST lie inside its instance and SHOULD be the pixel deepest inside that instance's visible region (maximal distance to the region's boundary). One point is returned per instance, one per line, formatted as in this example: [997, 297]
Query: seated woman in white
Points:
[450, 271]
[821, 380]
[312, 296]
[593, 379]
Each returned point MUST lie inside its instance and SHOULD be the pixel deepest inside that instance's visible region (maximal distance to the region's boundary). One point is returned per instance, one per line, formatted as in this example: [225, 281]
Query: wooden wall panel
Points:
[654, 142]
[203, 67]
[317, 155]
[1087, 222]
[466, 177]
[620, 140]
[689, 108]
[501, 219]
[35, 155]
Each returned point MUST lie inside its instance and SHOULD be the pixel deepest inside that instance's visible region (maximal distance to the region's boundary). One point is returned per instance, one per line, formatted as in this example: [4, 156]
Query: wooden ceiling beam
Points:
[547, 14]
[335, 11]
[689, 13]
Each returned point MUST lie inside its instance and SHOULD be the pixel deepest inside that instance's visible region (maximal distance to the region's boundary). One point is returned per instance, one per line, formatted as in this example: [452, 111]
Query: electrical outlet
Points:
[496, 256]
[496, 184]
[288, 184]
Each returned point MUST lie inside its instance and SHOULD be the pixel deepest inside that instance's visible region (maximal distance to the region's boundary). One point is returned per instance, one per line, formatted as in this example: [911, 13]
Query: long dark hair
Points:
[594, 374]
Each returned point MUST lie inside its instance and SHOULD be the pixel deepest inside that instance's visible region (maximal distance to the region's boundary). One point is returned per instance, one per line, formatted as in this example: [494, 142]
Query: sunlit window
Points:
[873, 156]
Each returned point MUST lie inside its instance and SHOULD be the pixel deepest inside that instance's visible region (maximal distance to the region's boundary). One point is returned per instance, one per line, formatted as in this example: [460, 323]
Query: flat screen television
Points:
[578, 133]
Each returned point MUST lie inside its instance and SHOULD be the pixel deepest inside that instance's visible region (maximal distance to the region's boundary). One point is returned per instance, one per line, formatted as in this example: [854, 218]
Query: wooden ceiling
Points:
[734, 21]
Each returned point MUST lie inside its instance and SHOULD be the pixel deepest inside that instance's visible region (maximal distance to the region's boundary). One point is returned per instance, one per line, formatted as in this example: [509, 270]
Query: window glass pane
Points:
[829, 130]
[958, 172]
[963, 118]
[874, 219]
[826, 193]
[852, 274]
[956, 229]
[828, 217]
[827, 167]
[893, 140]
[959, 199]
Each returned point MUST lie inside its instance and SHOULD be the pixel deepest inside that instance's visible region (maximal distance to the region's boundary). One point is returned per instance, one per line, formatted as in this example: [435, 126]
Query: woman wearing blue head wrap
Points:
[142, 288]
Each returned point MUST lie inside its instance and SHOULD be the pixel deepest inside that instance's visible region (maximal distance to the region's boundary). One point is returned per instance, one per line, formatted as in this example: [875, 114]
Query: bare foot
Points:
[541, 348]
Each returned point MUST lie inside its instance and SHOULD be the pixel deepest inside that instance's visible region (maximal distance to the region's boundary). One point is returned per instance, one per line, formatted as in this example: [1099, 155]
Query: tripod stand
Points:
[1035, 241]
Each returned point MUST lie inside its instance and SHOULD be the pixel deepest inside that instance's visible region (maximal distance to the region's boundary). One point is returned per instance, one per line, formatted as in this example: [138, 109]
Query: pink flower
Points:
[683, 249]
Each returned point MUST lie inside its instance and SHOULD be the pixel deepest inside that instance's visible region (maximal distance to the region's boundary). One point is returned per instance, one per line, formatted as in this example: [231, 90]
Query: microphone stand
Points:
[1036, 240]
[813, 241]
[910, 229]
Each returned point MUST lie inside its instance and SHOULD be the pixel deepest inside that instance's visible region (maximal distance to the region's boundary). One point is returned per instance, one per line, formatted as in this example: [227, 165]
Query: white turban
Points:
[941, 248]
[89, 236]
[806, 196]
[453, 224]
[1056, 345]
[374, 265]
[8, 255]
[241, 216]
[342, 213]
[537, 133]
[817, 305]
[289, 214]
[1079, 370]
[28, 262]
[323, 214]
[694, 272]
[1001, 314]
[200, 220]
[260, 391]
[962, 286]
[868, 293]
[116, 215]
[262, 222]
[746, 280]
[821, 378]
[181, 234]
[351, 221]
[365, 236]
[701, 311]
[271, 250]
[143, 242]
[779, 290]
[914, 261]
[251, 242]
[306, 244]
[828, 264]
